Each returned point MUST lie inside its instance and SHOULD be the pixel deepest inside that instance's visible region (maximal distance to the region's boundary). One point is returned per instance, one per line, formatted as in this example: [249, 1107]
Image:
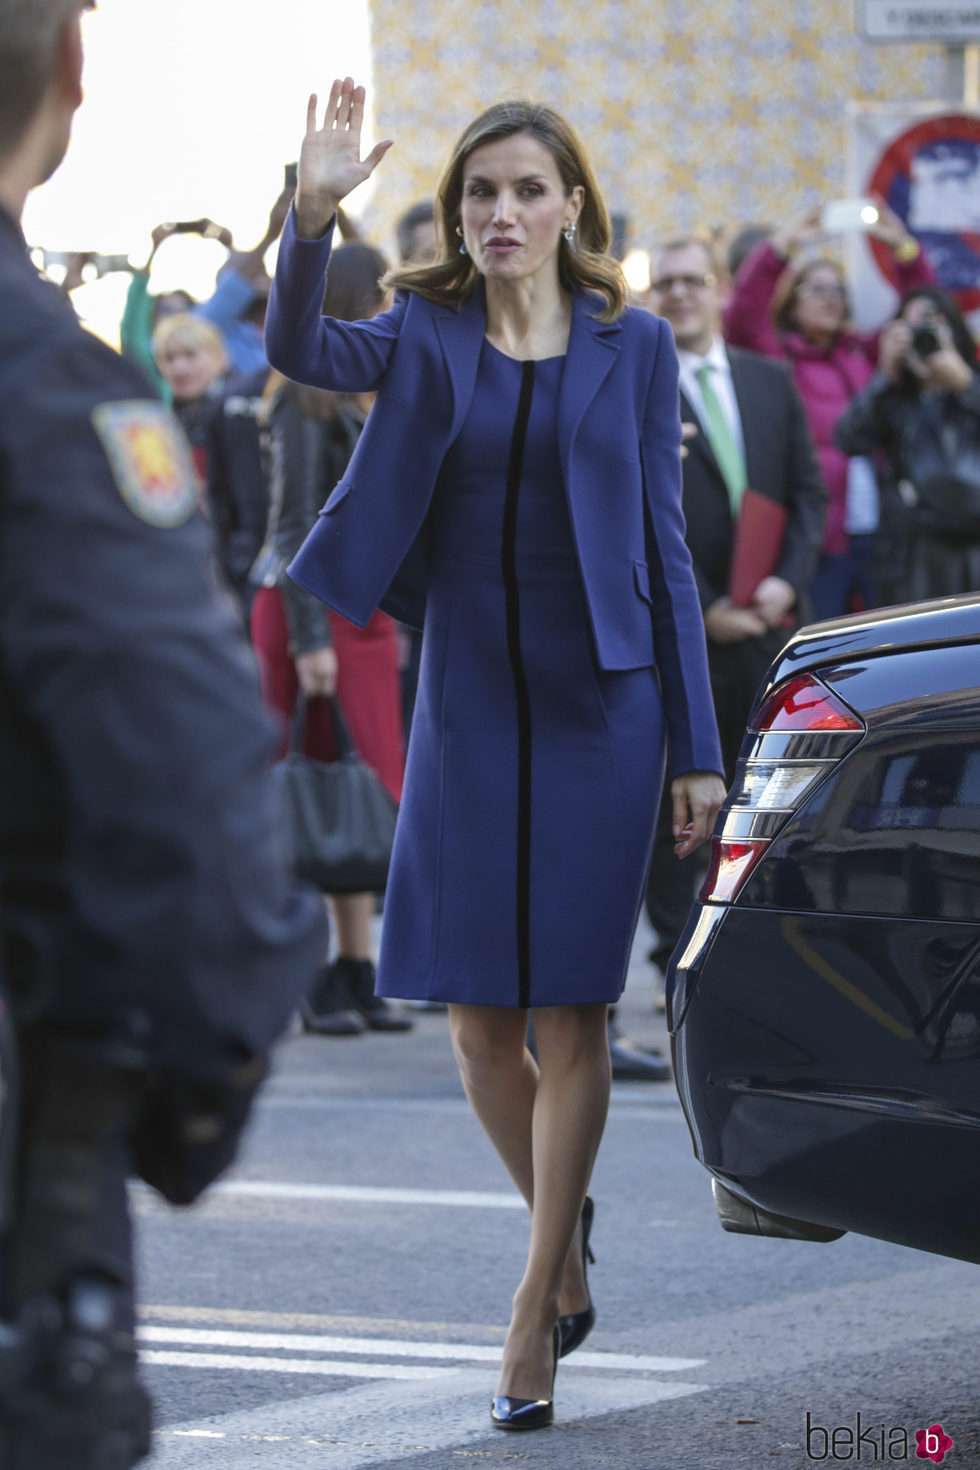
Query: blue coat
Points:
[619, 438]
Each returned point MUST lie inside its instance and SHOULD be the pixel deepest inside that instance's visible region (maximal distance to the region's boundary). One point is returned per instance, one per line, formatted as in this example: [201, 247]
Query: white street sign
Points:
[920, 20]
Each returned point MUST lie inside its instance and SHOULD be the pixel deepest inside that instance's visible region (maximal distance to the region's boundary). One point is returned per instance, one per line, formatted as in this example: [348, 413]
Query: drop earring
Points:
[462, 249]
[569, 233]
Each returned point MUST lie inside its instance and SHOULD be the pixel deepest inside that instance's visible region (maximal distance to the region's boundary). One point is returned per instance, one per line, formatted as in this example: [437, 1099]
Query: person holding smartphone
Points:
[798, 310]
[922, 411]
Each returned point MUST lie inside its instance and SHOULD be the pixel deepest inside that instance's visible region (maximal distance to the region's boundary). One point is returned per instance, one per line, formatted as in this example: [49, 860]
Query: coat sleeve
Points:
[298, 446]
[746, 317]
[302, 344]
[867, 422]
[678, 627]
[237, 491]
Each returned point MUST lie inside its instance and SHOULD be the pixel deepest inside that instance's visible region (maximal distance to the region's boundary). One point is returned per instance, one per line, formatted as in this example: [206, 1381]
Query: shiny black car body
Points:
[824, 1002]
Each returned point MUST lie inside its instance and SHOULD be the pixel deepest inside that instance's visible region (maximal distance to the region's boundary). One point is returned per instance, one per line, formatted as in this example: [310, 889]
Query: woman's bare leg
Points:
[546, 1125]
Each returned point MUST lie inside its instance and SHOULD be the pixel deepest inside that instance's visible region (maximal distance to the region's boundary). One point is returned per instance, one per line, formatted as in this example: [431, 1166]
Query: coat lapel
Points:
[592, 351]
[461, 335]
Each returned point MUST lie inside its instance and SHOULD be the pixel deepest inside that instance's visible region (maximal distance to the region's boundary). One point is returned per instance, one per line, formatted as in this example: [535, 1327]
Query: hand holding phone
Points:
[842, 216]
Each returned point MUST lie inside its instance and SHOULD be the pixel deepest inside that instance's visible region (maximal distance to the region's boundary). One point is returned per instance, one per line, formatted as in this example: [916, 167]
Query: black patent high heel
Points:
[508, 1413]
[576, 1326]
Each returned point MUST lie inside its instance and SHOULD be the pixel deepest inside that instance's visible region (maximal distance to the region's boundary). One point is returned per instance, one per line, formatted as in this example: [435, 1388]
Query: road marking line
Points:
[397, 1327]
[383, 1347]
[362, 1194]
[325, 1367]
[371, 1194]
[376, 1424]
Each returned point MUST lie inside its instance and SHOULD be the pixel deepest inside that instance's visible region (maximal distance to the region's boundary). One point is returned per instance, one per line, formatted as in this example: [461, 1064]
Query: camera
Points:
[925, 339]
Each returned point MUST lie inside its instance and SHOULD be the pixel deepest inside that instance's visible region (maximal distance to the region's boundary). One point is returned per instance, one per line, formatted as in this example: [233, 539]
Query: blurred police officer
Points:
[151, 945]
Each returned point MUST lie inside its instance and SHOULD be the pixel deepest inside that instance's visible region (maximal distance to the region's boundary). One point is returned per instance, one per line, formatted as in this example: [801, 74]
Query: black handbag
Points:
[339, 819]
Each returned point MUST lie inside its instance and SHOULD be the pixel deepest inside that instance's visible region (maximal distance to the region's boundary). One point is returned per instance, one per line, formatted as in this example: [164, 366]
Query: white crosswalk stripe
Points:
[343, 1347]
[426, 1396]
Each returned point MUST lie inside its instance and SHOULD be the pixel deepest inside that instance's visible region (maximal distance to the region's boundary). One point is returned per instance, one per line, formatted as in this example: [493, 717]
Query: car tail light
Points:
[804, 703]
[796, 737]
[731, 863]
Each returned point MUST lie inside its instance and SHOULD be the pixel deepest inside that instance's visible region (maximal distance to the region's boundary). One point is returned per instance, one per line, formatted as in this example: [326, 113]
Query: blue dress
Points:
[533, 777]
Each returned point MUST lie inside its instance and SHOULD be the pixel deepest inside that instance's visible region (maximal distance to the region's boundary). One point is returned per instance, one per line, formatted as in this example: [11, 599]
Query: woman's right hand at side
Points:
[316, 671]
[330, 163]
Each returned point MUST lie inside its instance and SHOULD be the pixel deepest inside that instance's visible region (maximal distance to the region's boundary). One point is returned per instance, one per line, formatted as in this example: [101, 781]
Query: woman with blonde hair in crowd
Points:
[192, 359]
[516, 492]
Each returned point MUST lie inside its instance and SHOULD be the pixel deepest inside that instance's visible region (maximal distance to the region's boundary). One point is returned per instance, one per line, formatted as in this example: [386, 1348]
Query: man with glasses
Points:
[751, 432]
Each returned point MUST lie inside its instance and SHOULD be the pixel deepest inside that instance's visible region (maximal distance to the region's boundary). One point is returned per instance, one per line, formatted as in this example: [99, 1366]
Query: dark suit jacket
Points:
[618, 435]
[780, 462]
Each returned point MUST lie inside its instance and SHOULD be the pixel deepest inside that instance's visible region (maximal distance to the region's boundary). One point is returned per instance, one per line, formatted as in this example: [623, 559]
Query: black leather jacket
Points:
[307, 456]
[930, 440]
[928, 540]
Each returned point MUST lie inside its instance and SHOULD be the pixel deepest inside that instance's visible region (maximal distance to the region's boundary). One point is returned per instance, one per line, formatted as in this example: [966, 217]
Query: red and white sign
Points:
[925, 162]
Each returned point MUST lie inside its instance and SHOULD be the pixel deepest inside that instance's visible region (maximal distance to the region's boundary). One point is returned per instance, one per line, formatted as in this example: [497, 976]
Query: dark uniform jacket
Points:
[143, 893]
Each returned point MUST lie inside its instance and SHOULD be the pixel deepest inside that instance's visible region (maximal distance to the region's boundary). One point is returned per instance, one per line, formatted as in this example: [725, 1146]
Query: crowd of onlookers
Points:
[893, 414]
[875, 456]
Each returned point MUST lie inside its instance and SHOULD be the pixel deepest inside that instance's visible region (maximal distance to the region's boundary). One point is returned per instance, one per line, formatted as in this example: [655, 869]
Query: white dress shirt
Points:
[721, 382]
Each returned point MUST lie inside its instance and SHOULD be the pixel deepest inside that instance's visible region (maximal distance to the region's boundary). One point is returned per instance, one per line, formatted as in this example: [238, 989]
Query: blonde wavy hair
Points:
[586, 265]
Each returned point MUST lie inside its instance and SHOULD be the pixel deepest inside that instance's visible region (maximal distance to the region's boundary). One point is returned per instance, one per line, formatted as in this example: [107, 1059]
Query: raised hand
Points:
[330, 163]
[888, 228]
[801, 230]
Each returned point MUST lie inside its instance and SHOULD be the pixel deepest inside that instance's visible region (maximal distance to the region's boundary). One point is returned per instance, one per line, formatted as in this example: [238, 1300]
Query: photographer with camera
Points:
[922, 412]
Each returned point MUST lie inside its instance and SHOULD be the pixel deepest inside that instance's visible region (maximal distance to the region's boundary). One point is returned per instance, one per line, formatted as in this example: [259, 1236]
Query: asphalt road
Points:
[340, 1300]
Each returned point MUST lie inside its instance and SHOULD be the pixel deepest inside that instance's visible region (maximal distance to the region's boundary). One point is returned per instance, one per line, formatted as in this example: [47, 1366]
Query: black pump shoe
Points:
[576, 1326]
[508, 1413]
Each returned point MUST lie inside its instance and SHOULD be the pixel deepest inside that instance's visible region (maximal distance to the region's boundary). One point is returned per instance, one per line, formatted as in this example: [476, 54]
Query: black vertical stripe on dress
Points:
[513, 608]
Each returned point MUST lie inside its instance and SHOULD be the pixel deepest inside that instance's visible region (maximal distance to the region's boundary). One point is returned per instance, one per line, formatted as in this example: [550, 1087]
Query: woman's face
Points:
[821, 305]
[189, 368]
[920, 310]
[514, 208]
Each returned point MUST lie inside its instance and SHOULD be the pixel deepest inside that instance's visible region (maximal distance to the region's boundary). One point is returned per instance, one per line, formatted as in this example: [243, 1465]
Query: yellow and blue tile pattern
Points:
[697, 113]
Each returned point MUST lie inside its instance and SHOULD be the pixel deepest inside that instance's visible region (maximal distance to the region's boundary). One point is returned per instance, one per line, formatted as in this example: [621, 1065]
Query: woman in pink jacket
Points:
[801, 314]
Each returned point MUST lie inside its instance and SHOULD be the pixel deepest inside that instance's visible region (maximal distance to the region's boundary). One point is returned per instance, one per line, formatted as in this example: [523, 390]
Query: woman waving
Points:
[515, 492]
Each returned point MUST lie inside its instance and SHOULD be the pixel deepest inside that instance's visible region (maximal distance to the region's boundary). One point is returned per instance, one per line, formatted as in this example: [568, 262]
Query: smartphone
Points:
[190, 227]
[289, 181]
[840, 216]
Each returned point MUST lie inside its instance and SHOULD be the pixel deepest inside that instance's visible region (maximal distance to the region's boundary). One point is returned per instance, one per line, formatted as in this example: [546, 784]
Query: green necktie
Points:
[730, 459]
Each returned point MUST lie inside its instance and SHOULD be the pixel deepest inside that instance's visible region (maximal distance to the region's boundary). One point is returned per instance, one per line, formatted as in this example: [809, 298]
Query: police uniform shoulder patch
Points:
[150, 460]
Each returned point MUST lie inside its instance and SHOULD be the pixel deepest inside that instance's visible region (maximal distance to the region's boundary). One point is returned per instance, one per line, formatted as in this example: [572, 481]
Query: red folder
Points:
[759, 533]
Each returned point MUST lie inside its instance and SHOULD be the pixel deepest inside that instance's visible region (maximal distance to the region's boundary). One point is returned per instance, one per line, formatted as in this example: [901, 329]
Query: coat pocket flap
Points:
[336, 497]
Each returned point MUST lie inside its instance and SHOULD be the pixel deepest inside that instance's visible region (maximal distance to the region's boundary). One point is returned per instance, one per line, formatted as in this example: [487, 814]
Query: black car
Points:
[824, 1001]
